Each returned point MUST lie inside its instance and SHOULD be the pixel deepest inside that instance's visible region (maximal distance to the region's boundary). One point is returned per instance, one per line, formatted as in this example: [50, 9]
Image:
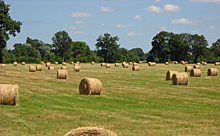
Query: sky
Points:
[135, 22]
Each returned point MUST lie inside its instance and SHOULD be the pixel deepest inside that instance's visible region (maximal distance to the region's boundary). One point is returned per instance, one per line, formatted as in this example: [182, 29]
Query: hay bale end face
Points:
[77, 68]
[180, 79]
[140, 62]
[116, 64]
[32, 68]
[169, 74]
[90, 86]
[204, 64]
[134, 64]
[195, 73]
[108, 65]
[39, 68]
[61, 74]
[8, 94]
[188, 68]
[71, 62]
[135, 68]
[123, 63]
[102, 64]
[212, 72]
[90, 131]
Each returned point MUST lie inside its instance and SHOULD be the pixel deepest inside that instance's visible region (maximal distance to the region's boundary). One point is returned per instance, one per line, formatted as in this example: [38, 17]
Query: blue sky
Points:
[135, 22]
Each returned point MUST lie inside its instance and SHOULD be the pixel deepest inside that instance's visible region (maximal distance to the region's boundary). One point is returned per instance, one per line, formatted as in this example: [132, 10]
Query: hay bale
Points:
[22, 63]
[9, 94]
[76, 64]
[32, 68]
[204, 64]
[116, 65]
[64, 64]
[64, 67]
[102, 64]
[42, 63]
[175, 62]
[183, 63]
[15, 64]
[50, 68]
[186, 62]
[90, 131]
[48, 64]
[61, 74]
[134, 64]
[196, 67]
[195, 73]
[92, 63]
[135, 68]
[180, 78]
[140, 62]
[217, 63]
[125, 66]
[212, 72]
[71, 62]
[169, 74]
[166, 63]
[77, 68]
[3, 65]
[108, 65]
[39, 68]
[56, 63]
[198, 64]
[188, 68]
[123, 63]
[90, 86]
[152, 63]
[130, 63]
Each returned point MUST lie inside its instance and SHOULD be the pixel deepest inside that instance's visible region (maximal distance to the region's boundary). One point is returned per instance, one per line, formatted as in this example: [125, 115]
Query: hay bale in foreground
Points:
[64, 64]
[166, 63]
[169, 74]
[152, 63]
[39, 68]
[125, 66]
[32, 68]
[116, 64]
[135, 68]
[15, 64]
[22, 63]
[196, 67]
[61, 74]
[90, 131]
[108, 65]
[188, 68]
[195, 73]
[77, 68]
[9, 94]
[56, 63]
[64, 67]
[180, 79]
[90, 86]
[3, 65]
[102, 64]
[212, 72]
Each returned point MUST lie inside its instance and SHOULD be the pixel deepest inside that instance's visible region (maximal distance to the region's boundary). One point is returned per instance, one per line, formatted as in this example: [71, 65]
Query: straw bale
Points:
[135, 68]
[90, 131]
[3, 65]
[198, 64]
[134, 64]
[42, 63]
[180, 78]
[183, 63]
[64, 64]
[77, 68]
[76, 64]
[152, 63]
[186, 62]
[39, 68]
[169, 74]
[32, 68]
[64, 67]
[61, 74]
[102, 64]
[116, 65]
[175, 62]
[71, 62]
[195, 73]
[50, 68]
[196, 67]
[92, 63]
[8, 94]
[166, 63]
[130, 63]
[22, 63]
[48, 64]
[56, 63]
[90, 86]
[217, 63]
[212, 72]
[204, 64]
[15, 64]
[123, 63]
[125, 66]
[188, 68]
[108, 65]
[140, 62]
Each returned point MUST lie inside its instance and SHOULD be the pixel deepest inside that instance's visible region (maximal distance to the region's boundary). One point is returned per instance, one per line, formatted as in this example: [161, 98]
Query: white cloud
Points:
[208, 18]
[80, 14]
[211, 27]
[163, 28]
[204, 1]
[77, 32]
[182, 21]
[194, 31]
[171, 8]
[131, 34]
[120, 25]
[80, 23]
[153, 9]
[138, 17]
[156, 0]
[107, 9]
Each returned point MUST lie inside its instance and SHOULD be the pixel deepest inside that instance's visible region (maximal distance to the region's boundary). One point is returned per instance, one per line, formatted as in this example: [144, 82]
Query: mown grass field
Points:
[132, 103]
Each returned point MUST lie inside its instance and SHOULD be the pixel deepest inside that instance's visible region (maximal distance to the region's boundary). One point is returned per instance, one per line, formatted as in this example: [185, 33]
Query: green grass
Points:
[132, 103]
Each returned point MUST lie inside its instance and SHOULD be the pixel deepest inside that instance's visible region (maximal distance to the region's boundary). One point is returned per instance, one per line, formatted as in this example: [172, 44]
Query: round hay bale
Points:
[125, 66]
[152, 63]
[22, 63]
[90, 131]
[64, 64]
[140, 62]
[32, 68]
[3, 65]
[56, 63]
[186, 62]
[198, 64]
[61, 74]
[42, 63]
[134, 64]
[116, 65]
[130, 63]
[135, 68]
[71, 62]
[77, 68]
[92, 63]
[64, 67]
[39, 68]
[102, 64]
[15, 64]
[180, 78]
[195, 73]
[76, 64]
[169, 74]
[175, 62]
[9, 94]
[48, 64]
[108, 65]
[204, 64]
[217, 63]
[196, 67]
[183, 63]
[123, 63]
[212, 72]
[50, 68]
[90, 86]
[166, 63]
[188, 68]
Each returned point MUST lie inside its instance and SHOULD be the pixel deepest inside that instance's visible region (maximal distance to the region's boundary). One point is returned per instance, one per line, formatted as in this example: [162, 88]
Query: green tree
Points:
[215, 48]
[8, 26]
[61, 43]
[107, 47]
[138, 52]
